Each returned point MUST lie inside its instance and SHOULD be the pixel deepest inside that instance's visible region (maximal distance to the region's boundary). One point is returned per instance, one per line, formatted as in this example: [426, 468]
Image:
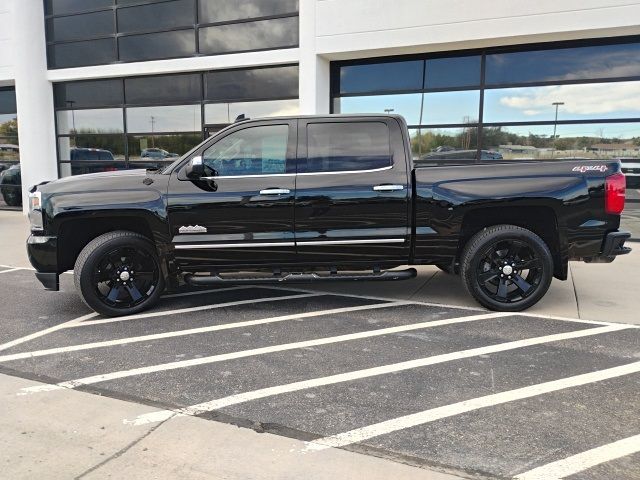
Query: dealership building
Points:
[100, 85]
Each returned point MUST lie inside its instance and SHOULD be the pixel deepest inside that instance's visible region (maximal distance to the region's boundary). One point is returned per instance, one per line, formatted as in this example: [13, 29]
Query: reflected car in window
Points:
[10, 180]
[157, 153]
[631, 170]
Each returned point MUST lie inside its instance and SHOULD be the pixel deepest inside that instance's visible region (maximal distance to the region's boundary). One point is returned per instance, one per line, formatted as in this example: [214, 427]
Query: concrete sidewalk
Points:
[606, 292]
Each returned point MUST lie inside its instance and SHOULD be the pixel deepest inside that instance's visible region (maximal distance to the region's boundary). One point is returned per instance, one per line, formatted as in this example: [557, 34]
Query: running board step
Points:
[201, 280]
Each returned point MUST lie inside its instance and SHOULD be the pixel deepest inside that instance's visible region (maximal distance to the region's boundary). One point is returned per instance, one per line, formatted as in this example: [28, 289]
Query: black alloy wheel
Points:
[119, 273]
[507, 268]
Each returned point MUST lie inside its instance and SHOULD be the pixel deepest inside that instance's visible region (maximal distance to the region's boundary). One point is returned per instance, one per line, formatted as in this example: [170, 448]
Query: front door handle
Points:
[275, 191]
[388, 188]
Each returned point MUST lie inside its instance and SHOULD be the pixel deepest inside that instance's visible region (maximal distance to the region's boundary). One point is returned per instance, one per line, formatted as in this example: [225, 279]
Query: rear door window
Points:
[346, 146]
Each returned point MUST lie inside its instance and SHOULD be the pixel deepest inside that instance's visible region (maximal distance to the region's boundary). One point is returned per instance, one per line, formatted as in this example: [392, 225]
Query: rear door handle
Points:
[275, 191]
[388, 188]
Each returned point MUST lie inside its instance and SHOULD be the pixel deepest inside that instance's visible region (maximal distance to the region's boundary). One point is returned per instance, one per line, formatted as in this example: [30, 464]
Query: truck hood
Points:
[122, 180]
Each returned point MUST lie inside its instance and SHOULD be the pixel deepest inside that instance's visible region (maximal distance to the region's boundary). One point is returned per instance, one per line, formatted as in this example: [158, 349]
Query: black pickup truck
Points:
[323, 198]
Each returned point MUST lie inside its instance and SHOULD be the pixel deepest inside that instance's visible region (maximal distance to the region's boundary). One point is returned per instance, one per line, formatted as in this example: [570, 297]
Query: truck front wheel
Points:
[506, 268]
[118, 273]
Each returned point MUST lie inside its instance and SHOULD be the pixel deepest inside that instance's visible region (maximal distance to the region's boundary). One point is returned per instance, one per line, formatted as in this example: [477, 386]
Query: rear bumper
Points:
[43, 255]
[612, 246]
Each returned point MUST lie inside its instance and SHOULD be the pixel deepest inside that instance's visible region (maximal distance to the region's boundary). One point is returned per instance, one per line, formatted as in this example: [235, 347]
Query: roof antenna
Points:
[241, 118]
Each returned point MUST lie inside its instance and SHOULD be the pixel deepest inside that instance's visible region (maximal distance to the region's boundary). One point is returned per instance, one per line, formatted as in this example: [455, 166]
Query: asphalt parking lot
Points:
[482, 393]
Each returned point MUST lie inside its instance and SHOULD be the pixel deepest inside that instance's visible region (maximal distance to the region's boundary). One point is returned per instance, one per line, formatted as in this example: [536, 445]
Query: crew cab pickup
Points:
[323, 198]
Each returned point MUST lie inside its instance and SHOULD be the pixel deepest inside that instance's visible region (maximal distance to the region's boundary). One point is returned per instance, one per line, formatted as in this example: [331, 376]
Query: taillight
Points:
[614, 190]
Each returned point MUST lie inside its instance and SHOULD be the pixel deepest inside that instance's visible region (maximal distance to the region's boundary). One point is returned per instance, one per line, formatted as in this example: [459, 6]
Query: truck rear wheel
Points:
[506, 268]
[119, 273]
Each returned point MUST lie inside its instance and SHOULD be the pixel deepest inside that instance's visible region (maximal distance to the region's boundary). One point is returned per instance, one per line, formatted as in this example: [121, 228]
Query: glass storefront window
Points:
[213, 11]
[453, 72]
[580, 63]
[153, 46]
[374, 77]
[80, 27]
[10, 177]
[440, 144]
[91, 148]
[156, 16]
[88, 93]
[103, 120]
[222, 113]
[252, 84]
[175, 118]
[575, 102]
[158, 150]
[160, 89]
[247, 36]
[409, 105]
[77, 54]
[451, 107]
[65, 7]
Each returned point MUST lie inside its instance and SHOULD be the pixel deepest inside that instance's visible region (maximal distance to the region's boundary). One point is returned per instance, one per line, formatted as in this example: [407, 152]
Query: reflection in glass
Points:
[103, 120]
[336, 147]
[180, 43]
[63, 7]
[252, 84]
[444, 143]
[382, 77]
[88, 93]
[251, 151]
[78, 27]
[603, 61]
[163, 89]
[599, 140]
[9, 145]
[78, 54]
[91, 148]
[82, 167]
[175, 118]
[409, 105]
[240, 37]
[160, 149]
[156, 16]
[583, 101]
[213, 11]
[451, 107]
[451, 72]
[222, 113]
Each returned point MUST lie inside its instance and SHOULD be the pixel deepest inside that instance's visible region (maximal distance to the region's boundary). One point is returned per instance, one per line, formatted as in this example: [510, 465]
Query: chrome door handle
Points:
[275, 191]
[388, 188]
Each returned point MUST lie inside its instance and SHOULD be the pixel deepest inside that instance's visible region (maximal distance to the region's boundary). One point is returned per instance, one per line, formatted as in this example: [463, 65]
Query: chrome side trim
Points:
[233, 245]
[352, 242]
[346, 172]
[388, 188]
[275, 191]
[286, 244]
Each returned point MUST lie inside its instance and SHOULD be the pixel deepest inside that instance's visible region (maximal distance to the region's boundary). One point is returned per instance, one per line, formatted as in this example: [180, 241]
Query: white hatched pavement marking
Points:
[192, 331]
[433, 414]
[46, 331]
[200, 308]
[365, 373]
[12, 270]
[583, 461]
[256, 351]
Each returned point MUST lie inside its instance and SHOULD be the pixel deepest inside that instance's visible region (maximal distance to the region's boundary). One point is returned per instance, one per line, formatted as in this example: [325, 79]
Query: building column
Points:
[34, 97]
[314, 70]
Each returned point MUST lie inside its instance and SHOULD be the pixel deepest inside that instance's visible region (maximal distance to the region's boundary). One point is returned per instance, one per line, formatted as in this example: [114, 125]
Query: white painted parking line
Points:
[257, 351]
[200, 408]
[17, 268]
[11, 270]
[583, 461]
[433, 414]
[46, 331]
[192, 331]
[200, 308]
[457, 307]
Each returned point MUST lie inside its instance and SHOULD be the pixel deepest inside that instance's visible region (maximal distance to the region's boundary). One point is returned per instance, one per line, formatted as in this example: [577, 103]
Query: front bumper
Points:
[43, 255]
[612, 246]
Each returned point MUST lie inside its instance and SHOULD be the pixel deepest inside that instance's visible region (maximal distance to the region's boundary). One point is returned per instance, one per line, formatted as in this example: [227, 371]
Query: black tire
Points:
[99, 274]
[506, 268]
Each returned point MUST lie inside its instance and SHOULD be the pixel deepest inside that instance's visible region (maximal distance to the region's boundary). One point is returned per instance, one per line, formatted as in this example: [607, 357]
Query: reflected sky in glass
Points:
[222, 113]
[586, 101]
[439, 108]
[103, 120]
[623, 131]
[176, 118]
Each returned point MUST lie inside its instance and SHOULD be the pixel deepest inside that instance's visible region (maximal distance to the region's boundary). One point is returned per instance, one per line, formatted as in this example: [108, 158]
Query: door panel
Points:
[352, 198]
[242, 213]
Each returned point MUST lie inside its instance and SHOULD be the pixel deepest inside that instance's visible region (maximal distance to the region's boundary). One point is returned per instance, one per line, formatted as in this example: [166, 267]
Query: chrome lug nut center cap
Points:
[124, 276]
[507, 270]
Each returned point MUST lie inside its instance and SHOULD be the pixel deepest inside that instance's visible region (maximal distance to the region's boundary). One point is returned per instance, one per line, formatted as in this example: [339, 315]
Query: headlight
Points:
[35, 211]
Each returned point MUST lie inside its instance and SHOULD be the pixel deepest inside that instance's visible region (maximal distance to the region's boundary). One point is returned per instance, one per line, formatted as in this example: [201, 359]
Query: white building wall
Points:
[6, 42]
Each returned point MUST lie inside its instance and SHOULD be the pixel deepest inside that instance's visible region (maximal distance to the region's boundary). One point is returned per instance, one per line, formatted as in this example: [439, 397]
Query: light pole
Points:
[153, 124]
[555, 123]
[389, 110]
[73, 115]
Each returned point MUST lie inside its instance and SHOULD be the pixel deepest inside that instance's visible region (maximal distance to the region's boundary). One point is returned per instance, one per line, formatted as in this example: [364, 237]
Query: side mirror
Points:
[195, 168]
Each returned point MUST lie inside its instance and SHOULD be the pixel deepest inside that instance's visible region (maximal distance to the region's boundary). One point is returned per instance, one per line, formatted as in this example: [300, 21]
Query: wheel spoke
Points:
[113, 293]
[528, 264]
[502, 289]
[488, 275]
[514, 249]
[134, 292]
[521, 283]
